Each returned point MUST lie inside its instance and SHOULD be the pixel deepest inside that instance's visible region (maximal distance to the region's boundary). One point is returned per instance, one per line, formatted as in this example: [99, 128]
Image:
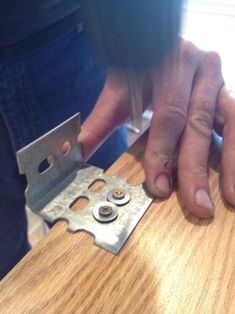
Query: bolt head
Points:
[118, 194]
[105, 211]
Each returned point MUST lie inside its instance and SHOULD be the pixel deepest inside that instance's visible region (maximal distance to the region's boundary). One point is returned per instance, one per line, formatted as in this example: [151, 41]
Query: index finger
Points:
[170, 99]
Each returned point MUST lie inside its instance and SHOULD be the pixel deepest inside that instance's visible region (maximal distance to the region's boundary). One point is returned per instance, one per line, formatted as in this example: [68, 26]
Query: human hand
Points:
[184, 98]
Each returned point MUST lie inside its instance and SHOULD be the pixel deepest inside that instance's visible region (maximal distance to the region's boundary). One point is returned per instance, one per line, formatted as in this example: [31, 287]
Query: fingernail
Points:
[203, 199]
[163, 185]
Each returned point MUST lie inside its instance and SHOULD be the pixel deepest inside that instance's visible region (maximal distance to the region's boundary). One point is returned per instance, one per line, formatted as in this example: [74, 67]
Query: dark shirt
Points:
[26, 25]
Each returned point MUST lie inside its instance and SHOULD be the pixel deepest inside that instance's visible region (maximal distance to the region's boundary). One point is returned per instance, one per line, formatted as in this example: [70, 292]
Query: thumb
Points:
[110, 111]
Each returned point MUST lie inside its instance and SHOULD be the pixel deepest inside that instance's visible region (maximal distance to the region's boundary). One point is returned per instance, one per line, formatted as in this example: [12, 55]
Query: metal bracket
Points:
[109, 216]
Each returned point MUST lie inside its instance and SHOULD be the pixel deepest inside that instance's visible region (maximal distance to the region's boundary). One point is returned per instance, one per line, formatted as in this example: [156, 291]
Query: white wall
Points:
[210, 24]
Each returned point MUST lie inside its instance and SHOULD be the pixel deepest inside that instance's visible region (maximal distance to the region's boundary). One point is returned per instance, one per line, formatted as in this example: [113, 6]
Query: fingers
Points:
[170, 100]
[110, 112]
[226, 119]
[196, 140]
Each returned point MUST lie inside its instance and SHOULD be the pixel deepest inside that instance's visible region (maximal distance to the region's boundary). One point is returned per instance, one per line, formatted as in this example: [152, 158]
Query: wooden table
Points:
[172, 263]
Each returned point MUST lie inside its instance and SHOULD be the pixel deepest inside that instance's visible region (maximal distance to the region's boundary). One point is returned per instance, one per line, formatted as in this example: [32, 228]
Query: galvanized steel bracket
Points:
[52, 193]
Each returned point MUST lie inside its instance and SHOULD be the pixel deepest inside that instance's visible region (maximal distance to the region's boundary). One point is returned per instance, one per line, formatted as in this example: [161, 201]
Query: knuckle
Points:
[212, 59]
[173, 117]
[156, 157]
[188, 52]
[176, 115]
[175, 101]
[204, 105]
[200, 122]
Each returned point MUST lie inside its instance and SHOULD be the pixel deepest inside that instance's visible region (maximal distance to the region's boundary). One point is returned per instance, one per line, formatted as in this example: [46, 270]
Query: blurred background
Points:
[210, 24]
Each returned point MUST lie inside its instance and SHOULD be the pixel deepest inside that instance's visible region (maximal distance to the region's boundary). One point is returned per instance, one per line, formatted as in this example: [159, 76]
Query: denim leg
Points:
[13, 223]
[53, 84]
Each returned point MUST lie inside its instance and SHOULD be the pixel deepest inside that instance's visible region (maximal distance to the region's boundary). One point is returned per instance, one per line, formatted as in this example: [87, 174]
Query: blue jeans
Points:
[37, 93]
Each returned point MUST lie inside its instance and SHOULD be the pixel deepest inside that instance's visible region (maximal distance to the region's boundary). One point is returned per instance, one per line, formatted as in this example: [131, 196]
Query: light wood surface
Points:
[172, 263]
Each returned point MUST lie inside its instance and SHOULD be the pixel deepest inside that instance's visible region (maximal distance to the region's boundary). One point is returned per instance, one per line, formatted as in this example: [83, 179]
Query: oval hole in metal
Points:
[79, 203]
[46, 164]
[97, 185]
[65, 148]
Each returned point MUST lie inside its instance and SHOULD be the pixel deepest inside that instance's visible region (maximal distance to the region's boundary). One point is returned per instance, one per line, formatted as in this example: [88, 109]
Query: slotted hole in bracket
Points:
[65, 148]
[46, 164]
[97, 185]
[79, 203]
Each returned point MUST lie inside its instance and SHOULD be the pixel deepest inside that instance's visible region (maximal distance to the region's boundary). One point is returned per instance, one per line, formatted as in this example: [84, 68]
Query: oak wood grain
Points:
[172, 263]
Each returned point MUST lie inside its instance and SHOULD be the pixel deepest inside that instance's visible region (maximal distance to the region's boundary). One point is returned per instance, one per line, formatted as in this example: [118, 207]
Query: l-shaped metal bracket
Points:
[110, 215]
